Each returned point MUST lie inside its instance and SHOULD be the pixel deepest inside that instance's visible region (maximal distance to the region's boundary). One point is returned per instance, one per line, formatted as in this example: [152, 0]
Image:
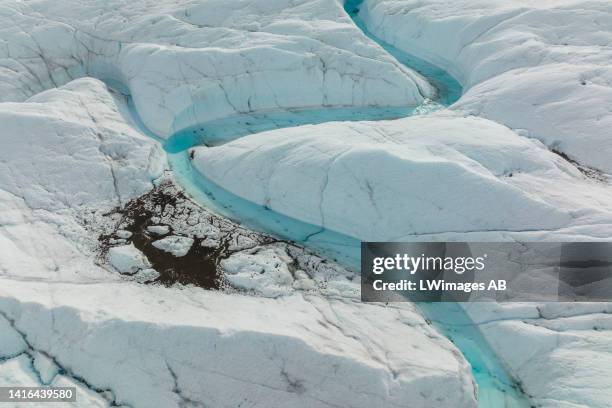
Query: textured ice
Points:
[94, 325]
[71, 157]
[561, 352]
[539, 67]
[176, 245]
[159, 229]
[185, 61]
[267, 271]
[66, 153]
[127, 259]
[85, 152]
[383, 181]
[273, 350]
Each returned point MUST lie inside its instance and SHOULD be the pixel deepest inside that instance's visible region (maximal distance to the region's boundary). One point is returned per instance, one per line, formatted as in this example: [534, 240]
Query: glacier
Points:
[541, 68]
[188, 62]
[54, 287]
[450, 171]
[92, 207]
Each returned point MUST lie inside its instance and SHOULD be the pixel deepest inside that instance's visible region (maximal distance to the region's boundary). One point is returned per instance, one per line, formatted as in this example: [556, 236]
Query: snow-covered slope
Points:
[383, 181]
[540, 67]
[188, 61]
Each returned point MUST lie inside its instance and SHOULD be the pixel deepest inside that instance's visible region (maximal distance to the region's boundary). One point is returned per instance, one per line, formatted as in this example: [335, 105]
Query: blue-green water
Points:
[496, 389]
[342, 248]
[449, 90]
[220, 131]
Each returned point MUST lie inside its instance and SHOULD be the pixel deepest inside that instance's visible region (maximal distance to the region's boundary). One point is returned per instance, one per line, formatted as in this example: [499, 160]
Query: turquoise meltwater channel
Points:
[496, 388]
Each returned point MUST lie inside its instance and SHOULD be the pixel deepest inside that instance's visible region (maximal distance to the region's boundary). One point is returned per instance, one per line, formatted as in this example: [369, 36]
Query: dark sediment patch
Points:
[587, 171]
[200, 266]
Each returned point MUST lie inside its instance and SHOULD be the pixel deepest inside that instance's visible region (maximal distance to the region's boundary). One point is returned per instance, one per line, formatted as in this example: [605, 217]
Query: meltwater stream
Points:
[496, 389]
